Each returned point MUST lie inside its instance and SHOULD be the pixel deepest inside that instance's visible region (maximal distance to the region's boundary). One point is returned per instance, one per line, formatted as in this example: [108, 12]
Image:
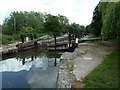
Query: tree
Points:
[111, 18]
[27, 30]
[63, 23]
[89, 29]
[97, 22]
[17, 20]
[76, 29]
[52, 24]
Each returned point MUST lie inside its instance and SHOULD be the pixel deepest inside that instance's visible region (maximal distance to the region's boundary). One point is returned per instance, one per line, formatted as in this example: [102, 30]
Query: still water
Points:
[35, 68]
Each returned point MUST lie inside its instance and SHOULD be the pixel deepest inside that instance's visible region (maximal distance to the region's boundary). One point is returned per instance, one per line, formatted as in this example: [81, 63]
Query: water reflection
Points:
[42, 79]
[36, 68]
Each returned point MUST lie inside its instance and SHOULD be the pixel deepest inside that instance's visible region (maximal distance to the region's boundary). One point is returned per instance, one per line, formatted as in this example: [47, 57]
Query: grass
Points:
[115, 41]
[97, 42]
[106, 74]
[92, 37]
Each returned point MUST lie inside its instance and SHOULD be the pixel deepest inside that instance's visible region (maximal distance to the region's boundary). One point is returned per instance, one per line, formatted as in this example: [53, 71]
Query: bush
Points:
[9, 39]
[6, 39]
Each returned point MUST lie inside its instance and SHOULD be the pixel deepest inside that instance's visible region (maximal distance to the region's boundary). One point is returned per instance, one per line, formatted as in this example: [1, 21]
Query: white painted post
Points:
[76, 40]
[27, 39]
[69, 45]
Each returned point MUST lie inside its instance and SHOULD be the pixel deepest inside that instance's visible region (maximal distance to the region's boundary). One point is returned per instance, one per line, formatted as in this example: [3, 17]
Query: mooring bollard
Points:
[55, 40]
[31, 36]
[22, 38]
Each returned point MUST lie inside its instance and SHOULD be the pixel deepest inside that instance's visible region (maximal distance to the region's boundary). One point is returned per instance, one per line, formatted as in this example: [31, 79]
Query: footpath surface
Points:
[75, 66]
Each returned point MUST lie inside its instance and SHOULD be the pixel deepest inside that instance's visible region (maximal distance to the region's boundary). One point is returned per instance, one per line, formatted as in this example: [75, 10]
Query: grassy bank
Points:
[7, 39]
[97, 42]
[106, 74]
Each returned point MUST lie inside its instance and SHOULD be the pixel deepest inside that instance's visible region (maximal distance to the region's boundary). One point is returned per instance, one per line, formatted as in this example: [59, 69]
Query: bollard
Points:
[31, 36]
[55, 40]
[35, 36]
[22, 38]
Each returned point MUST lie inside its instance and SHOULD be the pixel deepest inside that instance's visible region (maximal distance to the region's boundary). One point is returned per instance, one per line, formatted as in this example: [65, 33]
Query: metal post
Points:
[22, 38]
[69, 40]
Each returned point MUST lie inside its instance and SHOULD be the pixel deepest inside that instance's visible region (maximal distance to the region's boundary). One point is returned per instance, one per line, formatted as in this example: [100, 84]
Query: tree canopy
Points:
[106, 20]
[37, 22]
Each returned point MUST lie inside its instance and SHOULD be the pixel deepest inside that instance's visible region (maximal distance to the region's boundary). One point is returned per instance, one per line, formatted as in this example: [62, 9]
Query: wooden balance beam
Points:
[30, 44]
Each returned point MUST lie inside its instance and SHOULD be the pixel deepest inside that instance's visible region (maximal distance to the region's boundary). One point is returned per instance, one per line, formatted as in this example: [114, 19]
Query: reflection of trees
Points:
[55, 62]
[33, 54]
[23, 61]
[32, 58]
[36, 52]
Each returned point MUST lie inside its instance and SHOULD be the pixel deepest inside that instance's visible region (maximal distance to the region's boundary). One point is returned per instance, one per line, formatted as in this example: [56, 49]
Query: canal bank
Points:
[74, 67]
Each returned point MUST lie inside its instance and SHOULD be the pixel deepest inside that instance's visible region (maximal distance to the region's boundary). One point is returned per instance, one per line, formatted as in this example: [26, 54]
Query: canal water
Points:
[35, 68]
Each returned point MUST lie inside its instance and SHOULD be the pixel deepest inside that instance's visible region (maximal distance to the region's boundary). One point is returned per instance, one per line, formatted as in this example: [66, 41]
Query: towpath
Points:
[75, 66]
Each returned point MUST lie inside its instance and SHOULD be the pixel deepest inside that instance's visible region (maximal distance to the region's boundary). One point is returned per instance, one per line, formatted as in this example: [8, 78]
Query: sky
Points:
[77, 11]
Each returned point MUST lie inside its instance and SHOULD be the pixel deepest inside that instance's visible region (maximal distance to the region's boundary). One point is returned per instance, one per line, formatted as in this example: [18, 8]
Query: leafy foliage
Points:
[106, 20]
[27, 30]
[37, 23]
[76, 29]
[110, 21]
[97, 22]
[52, 24]
[9, 38]
[89, 29]
[17, 20]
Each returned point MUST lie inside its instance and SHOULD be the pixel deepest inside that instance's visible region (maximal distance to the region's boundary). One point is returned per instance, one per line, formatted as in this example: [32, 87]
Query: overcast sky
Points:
[78, 11]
